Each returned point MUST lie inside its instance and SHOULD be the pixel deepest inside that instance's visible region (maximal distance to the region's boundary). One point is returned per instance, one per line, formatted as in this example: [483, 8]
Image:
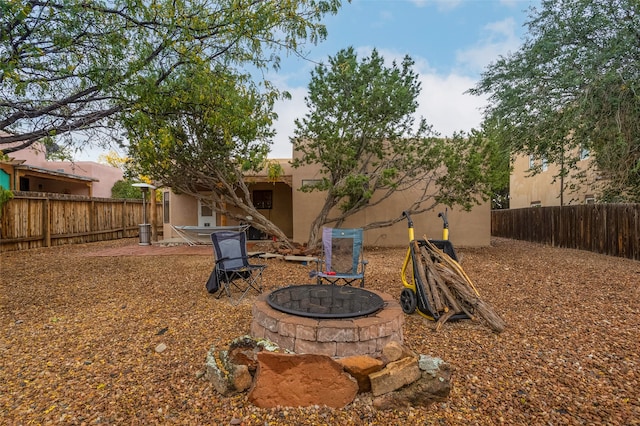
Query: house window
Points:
[532, 162]
[165, 207]
[307, 182]
[24, 184]
[205, 210]
[589, 199]
[263, 199]
[545, 164]
[536, 204]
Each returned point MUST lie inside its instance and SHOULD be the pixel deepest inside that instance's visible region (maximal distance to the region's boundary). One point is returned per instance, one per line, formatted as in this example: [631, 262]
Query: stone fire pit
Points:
[361, 331]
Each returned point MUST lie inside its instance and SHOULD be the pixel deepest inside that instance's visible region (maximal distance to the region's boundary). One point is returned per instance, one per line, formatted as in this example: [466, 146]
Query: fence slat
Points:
[32, 220]
[611, 229]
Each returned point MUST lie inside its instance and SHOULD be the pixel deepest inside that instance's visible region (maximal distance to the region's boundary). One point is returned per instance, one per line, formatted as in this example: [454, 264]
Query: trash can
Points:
[145, 234]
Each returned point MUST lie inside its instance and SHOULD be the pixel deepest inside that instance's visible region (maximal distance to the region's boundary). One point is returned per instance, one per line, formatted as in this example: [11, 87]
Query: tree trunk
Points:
[315, 235]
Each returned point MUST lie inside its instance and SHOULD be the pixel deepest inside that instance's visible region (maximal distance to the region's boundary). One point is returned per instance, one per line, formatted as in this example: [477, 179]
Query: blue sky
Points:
[451, 42]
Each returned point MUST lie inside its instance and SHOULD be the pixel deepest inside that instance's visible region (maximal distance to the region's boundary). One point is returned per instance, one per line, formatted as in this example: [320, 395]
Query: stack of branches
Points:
[449, 290]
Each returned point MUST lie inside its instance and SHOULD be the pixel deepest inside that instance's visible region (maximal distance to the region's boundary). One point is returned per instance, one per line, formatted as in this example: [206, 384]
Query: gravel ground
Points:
[80, 328]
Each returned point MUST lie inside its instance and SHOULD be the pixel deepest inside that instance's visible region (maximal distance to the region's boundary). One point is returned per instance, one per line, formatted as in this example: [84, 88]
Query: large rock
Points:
[360, 366]
[221, 373]
[394, 376]
[434, 385]
[288, 380]
[231, 370]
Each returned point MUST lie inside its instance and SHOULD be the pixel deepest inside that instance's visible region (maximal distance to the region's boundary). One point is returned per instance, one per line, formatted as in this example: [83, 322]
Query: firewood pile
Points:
[449, 290]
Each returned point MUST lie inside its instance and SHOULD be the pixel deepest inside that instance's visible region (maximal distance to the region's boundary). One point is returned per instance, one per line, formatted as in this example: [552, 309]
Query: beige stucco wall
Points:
[525, 190]
[470, 229]
[293, 211]
[183, 210]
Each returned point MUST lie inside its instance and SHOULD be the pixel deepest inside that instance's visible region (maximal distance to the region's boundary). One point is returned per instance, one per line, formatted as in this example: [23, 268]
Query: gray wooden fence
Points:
[32, 220]
[612, 229]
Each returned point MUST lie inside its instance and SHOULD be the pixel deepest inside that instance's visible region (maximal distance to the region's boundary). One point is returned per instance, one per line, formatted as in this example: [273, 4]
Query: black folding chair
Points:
[232, 268]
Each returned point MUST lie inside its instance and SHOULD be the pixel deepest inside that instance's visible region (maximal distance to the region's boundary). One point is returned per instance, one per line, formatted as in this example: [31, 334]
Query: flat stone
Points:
[288, 380]
[394, 376]
[394, 351]
[433, 386]
[360, 366]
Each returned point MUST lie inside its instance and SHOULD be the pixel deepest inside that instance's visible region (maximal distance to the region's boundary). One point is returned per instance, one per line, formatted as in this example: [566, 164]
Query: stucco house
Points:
[293, 212]
[545, 189]
[29, 170]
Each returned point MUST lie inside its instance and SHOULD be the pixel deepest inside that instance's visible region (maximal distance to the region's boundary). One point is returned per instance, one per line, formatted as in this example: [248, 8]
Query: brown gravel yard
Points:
[80, 325]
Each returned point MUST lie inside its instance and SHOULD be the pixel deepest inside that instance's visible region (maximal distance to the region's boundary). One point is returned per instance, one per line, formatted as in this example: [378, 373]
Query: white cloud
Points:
[441, 4]
[288, 111]
[442, 102]
[446, 106]
[499, 39]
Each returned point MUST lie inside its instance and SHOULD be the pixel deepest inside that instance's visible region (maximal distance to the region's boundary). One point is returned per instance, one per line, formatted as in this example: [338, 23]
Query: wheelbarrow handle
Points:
[409, 220]
[443, 216]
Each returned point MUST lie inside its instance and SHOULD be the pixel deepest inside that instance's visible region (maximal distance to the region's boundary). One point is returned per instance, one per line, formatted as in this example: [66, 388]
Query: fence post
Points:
[46, 223]
[123, 221]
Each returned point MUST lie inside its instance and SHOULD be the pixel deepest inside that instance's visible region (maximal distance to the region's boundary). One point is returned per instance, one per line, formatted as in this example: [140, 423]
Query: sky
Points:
[450, 41]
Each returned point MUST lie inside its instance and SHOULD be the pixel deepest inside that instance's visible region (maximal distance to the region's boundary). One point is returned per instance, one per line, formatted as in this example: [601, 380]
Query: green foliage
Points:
[75, 64]
[5, 196]
[274, 170]
[123, 189]
[213, 127]
[574, 84]
[361, 131]
[203, 137]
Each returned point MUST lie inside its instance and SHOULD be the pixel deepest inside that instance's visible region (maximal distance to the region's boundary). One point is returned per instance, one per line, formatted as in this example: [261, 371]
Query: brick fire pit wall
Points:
[332, 337]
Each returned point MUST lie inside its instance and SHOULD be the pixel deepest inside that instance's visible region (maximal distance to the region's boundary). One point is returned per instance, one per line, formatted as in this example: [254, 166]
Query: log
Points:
[444, 318]
[445, 258]
[429, 279]
[422, 275]
[481, 309]
[450, 289]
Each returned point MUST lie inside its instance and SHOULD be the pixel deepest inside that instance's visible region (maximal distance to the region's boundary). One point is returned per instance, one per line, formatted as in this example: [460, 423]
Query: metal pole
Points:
[144, 207]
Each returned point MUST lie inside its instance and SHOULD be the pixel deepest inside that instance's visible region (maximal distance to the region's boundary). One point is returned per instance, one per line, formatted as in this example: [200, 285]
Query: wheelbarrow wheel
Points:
[408, 301]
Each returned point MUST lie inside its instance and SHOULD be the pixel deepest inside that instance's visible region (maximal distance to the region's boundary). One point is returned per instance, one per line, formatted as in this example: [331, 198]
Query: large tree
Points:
[212, 128]
[574, 85]
[361, 131]
[70, 65]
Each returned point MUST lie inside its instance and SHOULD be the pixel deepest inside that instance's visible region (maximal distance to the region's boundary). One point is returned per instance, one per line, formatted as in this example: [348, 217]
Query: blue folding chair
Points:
[232, 267]
[342, 258]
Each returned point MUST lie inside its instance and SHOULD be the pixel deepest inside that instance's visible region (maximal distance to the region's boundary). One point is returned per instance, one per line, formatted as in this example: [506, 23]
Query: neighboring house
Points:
[29, 170]
[293, 212]
[546, 188]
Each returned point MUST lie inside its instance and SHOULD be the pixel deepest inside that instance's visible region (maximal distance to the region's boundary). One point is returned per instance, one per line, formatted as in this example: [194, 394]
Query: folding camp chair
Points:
[342, 258]
[232, 268]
